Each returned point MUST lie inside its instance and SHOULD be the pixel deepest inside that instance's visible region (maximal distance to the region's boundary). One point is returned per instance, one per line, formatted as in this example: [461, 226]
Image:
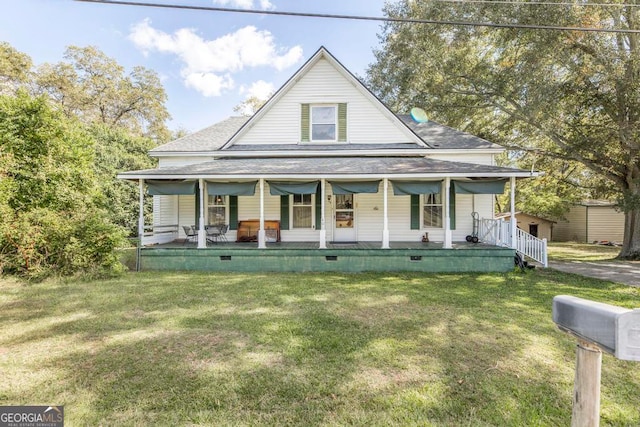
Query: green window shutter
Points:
[319, 208]
[304, 123]
[452, 208]
[197, 219]
[415, 212]
[342, 122]
[284, 212]
[233, 212]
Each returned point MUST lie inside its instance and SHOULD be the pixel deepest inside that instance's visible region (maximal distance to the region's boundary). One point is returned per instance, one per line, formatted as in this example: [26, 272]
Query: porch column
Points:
[141, 213]
[262, 244]
[514, 221]
[447, 220]
[202, 234]
[385, 214]
[323, 225]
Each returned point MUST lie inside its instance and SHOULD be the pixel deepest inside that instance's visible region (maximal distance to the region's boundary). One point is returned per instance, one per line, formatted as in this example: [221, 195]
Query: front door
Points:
[345, 218]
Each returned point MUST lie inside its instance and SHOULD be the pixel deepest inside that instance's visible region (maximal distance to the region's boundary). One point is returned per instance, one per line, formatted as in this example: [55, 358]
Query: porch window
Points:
[217, 206]
[302, 210]
[432, 211]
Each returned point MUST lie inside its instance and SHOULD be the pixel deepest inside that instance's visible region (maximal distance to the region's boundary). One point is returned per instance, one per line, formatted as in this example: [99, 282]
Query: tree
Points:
[14, 68]
[95, 88]
[51, 220]
[116, 150]
[249, 106]
[569, 95]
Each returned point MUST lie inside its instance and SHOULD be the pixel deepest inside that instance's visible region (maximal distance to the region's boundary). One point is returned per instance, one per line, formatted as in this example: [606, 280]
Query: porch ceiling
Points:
[352, 167]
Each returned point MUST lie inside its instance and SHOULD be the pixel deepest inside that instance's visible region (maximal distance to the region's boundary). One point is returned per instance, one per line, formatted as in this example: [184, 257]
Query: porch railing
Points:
[498, 232]
[158, 234]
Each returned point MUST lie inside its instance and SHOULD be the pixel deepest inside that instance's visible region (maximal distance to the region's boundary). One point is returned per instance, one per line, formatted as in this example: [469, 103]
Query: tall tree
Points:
[569, 95]
[94, 87]
[15, 67]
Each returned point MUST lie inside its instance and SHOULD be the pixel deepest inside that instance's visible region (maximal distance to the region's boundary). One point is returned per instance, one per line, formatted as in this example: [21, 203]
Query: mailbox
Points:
[615, 330]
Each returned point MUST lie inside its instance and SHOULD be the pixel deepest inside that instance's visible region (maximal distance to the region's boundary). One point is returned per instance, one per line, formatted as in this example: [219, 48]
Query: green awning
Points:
[170, 188]
[354, 187]
[231, 188]
[407, 188]
[284, 188]
[479, 187]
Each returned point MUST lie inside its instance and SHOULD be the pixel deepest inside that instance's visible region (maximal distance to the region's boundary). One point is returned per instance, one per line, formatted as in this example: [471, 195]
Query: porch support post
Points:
[323, 224]
[141, 213]
[447, 220]
[514, 221]
[202, 234]
[262, 244]
[385, 214]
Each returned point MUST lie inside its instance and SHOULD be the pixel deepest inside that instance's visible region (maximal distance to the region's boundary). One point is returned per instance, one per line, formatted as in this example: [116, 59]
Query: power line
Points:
[361, 18]
[538, 3]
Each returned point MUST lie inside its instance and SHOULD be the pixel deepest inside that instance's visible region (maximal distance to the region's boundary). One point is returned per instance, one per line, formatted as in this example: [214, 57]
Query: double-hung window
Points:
[217, 209]
[324, 120]
[432, 210]
[302, 210]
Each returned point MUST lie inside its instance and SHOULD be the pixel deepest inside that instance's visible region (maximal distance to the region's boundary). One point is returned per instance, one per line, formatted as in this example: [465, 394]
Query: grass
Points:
[568, 251]
[304, 349]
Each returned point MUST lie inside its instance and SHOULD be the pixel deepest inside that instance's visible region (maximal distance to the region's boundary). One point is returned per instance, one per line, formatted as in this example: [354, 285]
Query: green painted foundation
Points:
[490, 259]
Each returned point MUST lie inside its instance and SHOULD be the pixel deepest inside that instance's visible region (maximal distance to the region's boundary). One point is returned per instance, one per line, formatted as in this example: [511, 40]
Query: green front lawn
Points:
[304, 349]
[570, 251]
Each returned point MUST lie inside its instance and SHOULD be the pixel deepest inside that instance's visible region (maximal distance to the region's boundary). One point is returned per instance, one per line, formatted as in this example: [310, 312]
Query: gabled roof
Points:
[323, 53]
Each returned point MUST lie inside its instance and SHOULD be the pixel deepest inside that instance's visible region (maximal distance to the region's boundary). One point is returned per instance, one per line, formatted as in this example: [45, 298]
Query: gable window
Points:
[302, 211]
[432, 210]
[217, 209]
[323, 122]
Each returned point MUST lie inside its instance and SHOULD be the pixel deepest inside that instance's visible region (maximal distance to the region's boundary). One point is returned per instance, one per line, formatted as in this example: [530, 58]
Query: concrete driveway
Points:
[625, 272]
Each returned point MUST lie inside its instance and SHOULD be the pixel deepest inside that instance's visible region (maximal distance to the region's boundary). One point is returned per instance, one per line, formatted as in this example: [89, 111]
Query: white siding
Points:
[465, 157]
[181, 161]
[324, 84]
[186, 211]
[165, 210]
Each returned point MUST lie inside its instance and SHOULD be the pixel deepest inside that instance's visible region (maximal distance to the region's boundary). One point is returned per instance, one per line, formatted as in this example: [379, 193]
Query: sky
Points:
[208, 62]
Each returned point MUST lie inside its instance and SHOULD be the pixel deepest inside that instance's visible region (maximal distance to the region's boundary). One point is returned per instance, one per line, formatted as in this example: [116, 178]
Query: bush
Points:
[42, 242]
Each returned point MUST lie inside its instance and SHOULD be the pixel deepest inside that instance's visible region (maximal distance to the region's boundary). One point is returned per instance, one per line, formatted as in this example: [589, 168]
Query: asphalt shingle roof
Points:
[207, 139]
[441, 137]
[326, 167]
[211, 139]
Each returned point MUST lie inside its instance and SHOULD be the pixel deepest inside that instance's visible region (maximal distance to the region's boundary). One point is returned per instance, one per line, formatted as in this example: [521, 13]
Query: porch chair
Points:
[215, 232]
[191, 233]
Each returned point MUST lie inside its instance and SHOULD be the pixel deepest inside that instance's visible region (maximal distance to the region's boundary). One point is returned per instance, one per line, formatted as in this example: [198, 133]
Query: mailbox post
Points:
[598, 327]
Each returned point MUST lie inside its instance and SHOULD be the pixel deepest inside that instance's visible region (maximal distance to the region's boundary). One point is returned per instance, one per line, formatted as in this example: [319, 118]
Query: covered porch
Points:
[397, 203]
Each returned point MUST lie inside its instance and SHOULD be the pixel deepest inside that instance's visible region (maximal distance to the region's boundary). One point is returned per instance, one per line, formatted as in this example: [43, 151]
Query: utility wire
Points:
[537, 3]
[361, 18]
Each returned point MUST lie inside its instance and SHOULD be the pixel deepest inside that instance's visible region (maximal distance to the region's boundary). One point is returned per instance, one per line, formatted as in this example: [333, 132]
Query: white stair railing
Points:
[498, 232]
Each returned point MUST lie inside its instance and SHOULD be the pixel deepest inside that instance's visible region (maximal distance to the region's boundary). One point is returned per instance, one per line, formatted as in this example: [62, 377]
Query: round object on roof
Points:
[418, 115]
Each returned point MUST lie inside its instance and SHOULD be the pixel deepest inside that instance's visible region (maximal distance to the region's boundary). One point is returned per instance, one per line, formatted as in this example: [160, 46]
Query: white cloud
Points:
[245, 4]
[213, 61]
[208, 84]
[260, 89]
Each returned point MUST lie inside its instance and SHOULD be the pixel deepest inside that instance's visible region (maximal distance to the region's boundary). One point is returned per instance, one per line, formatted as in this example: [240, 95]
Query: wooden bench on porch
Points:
[248, 230]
